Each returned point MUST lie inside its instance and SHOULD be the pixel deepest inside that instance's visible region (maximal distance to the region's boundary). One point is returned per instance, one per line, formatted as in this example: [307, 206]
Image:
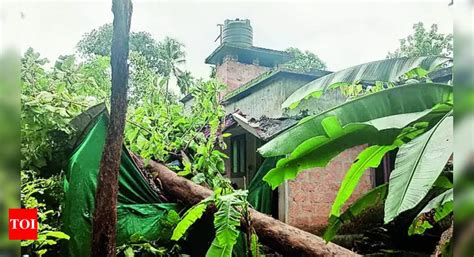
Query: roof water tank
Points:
[237, 32]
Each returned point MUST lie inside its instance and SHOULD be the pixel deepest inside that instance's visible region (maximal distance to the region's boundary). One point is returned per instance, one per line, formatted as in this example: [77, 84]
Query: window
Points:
[238, 156]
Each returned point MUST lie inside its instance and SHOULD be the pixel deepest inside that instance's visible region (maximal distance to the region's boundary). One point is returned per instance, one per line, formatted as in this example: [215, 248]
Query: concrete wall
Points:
[268, 99]
[235, 74]
[311, 194]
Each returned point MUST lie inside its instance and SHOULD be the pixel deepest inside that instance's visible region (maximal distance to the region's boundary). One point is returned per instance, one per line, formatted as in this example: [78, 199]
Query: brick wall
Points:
[311, 194]
[235, 74]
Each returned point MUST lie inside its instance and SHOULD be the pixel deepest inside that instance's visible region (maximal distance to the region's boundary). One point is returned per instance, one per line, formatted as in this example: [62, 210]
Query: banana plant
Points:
[419, 163]
[376, 118]
[226, 220]
[415, 117]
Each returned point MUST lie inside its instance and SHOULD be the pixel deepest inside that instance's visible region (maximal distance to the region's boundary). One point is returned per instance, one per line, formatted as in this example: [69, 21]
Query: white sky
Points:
[342, 33]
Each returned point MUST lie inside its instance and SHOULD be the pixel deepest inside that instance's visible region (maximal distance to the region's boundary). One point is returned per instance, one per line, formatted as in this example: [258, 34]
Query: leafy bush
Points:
[48, 227]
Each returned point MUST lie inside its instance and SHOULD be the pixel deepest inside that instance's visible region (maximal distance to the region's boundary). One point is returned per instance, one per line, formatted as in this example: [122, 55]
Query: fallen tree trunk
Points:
[281, 237]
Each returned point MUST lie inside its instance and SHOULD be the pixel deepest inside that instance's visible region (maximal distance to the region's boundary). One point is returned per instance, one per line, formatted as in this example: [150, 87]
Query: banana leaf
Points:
[387, 70]
[418, 165]
[370, 157]
[398, 100]
[216, 250]
[317, 139]
[318, 151]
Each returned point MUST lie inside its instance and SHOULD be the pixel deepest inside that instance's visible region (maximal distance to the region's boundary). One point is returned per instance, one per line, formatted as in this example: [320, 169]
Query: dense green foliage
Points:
[424, 42]
[50, 99]
[32, 188]
[304, 61]
[99, 41]
[158, 127]
[162, 58]
[389, 71]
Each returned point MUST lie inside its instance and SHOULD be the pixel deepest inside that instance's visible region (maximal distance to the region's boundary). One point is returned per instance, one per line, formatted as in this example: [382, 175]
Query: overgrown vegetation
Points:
[157, 128]
[304, 61]
[162, 58]
[413, 115]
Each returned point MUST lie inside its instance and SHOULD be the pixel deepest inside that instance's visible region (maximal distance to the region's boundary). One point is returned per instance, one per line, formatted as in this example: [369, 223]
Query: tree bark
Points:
[281, 237]
[105, 215]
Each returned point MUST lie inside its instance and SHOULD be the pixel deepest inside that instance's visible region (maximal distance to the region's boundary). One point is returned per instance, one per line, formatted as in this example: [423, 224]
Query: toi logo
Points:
[23, 224]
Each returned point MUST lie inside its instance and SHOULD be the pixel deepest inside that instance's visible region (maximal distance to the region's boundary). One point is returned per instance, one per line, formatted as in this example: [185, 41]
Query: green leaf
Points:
[417, 72]
[187, 167]
[57, 234]
[443, 182]
[49, 242]
[25, 243]
[370, 157]
[254, 245]
[216, 250]
[319, 150]
[397, 100]
[418, 165]
[41, 252]
[129, 252]
[193, 214]
[370, 199]
[436, 209]
[387, 70]
[227, 219]
[136, 238]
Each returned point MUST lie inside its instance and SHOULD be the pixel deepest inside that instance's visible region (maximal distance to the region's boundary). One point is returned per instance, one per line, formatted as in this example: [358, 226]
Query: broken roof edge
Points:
[264, 128]
[233, 95]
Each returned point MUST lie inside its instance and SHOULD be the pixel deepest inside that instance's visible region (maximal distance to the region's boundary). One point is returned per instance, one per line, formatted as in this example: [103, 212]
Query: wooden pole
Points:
[105, 215]
[281, 237]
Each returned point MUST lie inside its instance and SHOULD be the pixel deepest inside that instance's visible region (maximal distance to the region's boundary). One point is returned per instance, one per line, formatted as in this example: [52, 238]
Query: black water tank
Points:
[237, 32]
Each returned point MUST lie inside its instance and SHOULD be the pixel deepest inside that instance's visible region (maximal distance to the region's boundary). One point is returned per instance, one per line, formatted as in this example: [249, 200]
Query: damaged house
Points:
[257, 85]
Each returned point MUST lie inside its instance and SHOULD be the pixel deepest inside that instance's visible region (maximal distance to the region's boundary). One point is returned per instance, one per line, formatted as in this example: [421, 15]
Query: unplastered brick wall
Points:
[235, 74]
[311, 194]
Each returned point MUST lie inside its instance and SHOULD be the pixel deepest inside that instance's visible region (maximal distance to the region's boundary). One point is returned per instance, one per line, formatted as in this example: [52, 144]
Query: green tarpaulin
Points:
[139, 208]
[260, 193]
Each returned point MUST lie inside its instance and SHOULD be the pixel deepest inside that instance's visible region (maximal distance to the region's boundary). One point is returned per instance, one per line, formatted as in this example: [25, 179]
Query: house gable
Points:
[268, 92]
